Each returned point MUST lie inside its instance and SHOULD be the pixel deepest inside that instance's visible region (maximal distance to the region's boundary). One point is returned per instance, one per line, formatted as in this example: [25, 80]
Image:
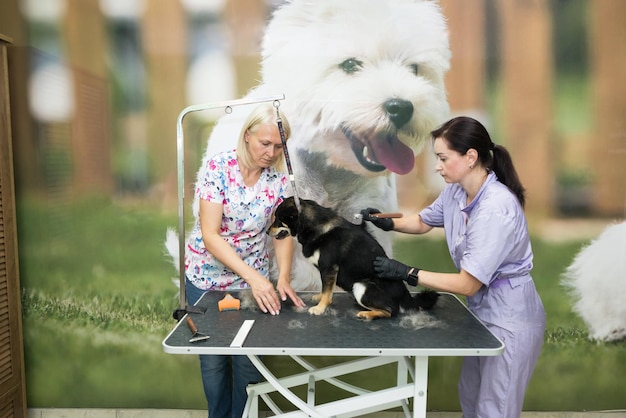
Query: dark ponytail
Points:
[505, 170]
[463, 133]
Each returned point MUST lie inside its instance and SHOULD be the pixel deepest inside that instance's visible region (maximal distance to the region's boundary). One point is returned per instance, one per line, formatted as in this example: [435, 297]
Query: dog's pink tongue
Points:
[394, 155]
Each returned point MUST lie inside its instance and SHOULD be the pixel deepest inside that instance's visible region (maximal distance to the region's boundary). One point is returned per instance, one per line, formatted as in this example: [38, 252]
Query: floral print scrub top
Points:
[245, 219]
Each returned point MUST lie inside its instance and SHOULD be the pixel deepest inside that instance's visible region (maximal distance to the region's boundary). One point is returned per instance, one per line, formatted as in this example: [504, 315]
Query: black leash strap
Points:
[281, 131]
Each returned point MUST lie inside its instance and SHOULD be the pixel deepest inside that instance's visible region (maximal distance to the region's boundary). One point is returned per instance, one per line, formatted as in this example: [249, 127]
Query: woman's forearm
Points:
[461, 283]
[226, 255]
[284, 256]
[411, 224]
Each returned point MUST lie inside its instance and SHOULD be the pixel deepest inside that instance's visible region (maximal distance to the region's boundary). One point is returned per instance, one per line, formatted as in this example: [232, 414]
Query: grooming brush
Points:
[196, 335]
[229, 303]
[357, 218]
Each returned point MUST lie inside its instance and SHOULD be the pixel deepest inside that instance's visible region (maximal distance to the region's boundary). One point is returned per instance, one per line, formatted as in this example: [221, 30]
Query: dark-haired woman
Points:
[481, 211]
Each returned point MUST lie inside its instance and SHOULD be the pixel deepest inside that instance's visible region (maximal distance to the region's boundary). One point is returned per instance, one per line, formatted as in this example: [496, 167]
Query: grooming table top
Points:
[449, 329]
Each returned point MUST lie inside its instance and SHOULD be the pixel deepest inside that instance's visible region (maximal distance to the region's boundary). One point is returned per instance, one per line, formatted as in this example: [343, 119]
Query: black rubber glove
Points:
[388, 268]
[386, 224]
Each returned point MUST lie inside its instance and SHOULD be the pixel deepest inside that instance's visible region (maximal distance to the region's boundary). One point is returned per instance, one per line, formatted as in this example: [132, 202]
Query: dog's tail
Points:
[425, 299]
[171, 249]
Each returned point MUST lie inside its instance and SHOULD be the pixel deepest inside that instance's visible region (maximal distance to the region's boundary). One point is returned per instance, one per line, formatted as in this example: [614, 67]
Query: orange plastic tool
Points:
[229, 303]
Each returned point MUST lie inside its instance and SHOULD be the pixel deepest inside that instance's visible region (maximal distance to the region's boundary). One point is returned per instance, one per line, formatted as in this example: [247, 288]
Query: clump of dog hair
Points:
[295, 324]
[418, 320]
[247, 300]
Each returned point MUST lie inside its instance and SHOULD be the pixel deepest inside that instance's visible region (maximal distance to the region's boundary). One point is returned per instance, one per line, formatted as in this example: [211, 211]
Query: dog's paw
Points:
[317, 310]
[369, 315]
[364, 315]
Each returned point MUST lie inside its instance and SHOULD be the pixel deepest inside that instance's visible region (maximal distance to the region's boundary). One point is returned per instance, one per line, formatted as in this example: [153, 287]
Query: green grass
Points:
[98, 299]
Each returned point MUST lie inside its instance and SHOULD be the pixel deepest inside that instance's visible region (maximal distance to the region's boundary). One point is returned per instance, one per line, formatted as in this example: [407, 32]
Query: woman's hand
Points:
[369, 214]
[388, 268]
[284, 256]
[265, 295]
[286, 291]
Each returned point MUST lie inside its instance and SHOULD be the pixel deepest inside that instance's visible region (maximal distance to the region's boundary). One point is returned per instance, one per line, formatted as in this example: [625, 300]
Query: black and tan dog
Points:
[344, 253]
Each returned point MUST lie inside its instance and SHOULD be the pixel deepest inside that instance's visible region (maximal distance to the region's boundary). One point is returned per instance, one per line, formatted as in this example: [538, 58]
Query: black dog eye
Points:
[414, 68]
[351, 65]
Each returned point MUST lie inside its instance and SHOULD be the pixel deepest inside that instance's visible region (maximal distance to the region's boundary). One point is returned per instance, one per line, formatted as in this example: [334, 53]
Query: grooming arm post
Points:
[283, 140]
[180, 151]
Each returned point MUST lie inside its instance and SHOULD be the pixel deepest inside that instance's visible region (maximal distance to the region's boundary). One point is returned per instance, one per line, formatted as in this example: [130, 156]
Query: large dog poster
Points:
[365, 81]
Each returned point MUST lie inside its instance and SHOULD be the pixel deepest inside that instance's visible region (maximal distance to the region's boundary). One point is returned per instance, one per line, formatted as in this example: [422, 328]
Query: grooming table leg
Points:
[421, 384]
[402, 379]
[364, 403]
[252, 405]
[269, 376]
[310, 394]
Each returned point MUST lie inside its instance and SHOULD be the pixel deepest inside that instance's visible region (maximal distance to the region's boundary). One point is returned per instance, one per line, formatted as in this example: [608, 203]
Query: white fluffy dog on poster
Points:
[363, 82]
[597, 284]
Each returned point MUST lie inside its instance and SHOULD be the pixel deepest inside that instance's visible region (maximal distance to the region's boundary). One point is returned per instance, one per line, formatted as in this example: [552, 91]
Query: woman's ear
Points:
[472, 157]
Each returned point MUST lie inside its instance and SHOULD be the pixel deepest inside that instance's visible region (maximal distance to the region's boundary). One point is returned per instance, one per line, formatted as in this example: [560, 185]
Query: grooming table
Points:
[407, 341]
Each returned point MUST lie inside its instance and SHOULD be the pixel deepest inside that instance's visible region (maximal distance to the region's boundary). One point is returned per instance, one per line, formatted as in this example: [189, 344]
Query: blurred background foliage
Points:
[96, 86]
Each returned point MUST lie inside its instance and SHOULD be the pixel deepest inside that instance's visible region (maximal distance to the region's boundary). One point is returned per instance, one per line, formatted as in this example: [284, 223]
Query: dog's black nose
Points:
[399, 111]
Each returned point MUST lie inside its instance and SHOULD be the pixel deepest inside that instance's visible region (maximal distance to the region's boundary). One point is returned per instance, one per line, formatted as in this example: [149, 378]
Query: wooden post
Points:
[246, 22]
[466, 80]
[527, 111]
[608, 69]
[85, 38]
[26, 161]
[465, 84]
[165, 49]
[12, 389]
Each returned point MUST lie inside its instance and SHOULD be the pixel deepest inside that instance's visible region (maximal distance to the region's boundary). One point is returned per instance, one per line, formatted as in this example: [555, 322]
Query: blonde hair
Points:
[263, 114]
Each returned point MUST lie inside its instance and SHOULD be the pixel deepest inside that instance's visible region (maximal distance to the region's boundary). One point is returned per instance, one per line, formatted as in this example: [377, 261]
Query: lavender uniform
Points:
[489, 239]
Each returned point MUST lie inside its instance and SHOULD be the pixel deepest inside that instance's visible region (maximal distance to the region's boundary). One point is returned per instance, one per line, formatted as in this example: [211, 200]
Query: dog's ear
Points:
[287, 214]
[290, 202]
[287, 206]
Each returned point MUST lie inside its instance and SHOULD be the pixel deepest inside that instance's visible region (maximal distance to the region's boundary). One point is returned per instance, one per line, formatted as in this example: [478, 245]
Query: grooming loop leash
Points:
[180, 151]
[281, 131]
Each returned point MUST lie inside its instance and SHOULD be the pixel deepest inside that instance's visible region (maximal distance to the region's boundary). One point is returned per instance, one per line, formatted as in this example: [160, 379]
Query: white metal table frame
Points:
[364, 401]
[411, 361]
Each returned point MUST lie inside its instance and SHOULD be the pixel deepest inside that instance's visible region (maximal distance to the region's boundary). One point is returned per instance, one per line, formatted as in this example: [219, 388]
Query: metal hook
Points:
[276, 105]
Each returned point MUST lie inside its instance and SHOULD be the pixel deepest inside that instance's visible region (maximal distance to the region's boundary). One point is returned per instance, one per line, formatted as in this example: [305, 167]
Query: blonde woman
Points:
[238, 193]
